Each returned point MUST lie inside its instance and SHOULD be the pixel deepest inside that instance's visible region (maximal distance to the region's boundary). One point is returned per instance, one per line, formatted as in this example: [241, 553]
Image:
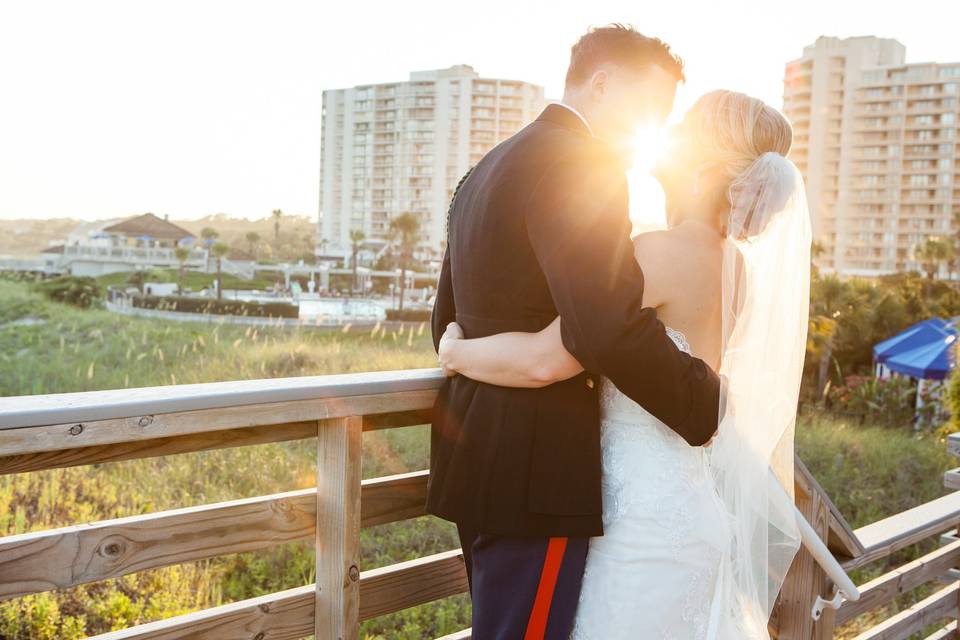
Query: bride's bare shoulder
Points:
[671, 262]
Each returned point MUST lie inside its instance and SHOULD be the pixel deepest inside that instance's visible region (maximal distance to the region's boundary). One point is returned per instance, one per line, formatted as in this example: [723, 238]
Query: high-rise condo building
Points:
[876, 140]
[402, 147]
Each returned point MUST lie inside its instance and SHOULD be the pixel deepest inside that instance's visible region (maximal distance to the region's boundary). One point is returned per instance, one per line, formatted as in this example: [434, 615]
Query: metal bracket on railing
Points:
[820, 604]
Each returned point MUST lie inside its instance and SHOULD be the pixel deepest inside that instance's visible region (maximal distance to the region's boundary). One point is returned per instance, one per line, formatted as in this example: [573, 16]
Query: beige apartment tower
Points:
[876, 141]
[402, 147]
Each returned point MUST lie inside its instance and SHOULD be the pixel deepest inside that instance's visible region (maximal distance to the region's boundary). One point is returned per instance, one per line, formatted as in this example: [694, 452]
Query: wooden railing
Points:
[62, 430]
[44, 432]
[936, 521]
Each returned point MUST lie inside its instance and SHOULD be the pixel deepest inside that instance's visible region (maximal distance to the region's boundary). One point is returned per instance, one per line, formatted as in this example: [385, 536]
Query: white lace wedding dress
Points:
[654, 573]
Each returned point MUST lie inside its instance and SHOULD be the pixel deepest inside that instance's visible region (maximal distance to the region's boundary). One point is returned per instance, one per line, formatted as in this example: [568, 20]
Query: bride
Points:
[697, 541]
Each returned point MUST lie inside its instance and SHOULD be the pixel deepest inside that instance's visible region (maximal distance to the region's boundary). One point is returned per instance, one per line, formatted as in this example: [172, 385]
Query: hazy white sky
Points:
[203, 106]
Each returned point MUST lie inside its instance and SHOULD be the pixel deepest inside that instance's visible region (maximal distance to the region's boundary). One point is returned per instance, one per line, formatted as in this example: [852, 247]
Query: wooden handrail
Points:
[885, 537]
[98, 406]
[145, 427]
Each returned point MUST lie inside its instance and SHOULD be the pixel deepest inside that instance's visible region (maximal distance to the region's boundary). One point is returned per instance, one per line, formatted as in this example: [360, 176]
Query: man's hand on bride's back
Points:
[447, 344]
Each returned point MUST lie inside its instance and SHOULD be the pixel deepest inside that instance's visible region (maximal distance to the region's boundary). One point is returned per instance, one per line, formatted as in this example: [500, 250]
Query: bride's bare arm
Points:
[514, 359]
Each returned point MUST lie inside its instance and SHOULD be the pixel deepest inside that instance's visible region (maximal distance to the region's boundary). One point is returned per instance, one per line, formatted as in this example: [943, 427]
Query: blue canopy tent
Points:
[932, 361]
[924, 351]
[921, 334]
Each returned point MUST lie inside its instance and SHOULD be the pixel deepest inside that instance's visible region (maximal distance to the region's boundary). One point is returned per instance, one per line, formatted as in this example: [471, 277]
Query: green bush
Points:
[79, 291]
[871, 472]
[218, 307]
[880, 401]
[951, 401]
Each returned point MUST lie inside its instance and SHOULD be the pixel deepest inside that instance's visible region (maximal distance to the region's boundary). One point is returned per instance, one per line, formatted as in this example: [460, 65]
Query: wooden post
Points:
[806, 579]
[338, 529]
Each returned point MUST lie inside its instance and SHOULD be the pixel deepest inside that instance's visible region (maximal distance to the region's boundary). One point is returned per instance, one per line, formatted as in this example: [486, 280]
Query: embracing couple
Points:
[615, 437]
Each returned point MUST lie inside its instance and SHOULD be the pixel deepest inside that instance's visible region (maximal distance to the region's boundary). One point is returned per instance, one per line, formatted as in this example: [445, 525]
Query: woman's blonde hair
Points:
[729, 131]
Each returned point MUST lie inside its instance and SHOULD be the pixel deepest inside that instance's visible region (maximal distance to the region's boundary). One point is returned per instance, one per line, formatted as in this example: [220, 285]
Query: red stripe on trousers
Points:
[537, 625]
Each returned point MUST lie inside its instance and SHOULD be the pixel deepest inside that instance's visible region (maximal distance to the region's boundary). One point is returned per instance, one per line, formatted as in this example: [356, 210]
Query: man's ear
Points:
[598, 82]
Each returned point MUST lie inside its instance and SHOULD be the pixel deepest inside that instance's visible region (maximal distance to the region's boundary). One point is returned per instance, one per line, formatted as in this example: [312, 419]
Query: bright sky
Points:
[202, 106]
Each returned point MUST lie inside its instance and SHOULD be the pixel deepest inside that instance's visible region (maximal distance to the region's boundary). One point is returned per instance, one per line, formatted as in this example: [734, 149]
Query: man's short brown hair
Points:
[619, 44]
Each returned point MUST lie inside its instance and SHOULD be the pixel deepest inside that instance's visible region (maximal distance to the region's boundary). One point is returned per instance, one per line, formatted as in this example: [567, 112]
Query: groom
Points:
[540, 228]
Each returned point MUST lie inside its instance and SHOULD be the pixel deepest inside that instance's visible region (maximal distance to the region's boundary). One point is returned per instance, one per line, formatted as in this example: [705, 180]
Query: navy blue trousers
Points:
[523, 588]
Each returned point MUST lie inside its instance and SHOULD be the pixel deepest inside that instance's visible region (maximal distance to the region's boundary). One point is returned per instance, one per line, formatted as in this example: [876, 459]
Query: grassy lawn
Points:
[869, 472]
[194, 280]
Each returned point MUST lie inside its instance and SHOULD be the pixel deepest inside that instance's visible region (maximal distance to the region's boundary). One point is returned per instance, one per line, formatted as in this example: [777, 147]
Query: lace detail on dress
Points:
[628, 431]
[679, 339]
[654, 572]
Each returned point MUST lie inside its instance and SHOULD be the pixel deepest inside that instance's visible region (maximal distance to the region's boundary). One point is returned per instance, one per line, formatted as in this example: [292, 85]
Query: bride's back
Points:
[718, 141]
[682, 269]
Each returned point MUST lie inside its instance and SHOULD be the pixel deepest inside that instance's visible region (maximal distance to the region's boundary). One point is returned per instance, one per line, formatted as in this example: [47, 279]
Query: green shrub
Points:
[951, 401]
[879, 401]
[872, 472]
[79, 291]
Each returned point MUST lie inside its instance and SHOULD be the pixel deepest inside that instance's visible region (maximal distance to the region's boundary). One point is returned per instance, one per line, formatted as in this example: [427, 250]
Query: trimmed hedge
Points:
[409, 315]
[218, 307]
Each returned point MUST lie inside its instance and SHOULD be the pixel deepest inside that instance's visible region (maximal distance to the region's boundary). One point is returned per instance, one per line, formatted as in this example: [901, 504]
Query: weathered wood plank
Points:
[889, 535]
[66, 557]
[933, 609]
[158, 447]
[75, 555]
[409, 584]
[71, 435]
[885, 588]
[338, 529]
[290, 614]
[953, 444]
[842, 541]
[203, 441]
[466, 634]
[951, 479]
[99, 406]
[393, 498]
[398, 419]
[286, 615]
[949, 632]
[806, 579]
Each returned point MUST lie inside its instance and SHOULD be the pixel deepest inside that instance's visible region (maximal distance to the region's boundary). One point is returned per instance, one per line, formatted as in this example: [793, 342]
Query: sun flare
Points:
[649, 145]
[646, 195]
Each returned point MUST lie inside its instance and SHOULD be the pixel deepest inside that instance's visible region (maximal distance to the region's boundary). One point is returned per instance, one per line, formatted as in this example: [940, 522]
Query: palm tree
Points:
[252, 238]
[182, 254]
[209, 234]
[276, 213]
[356, 243]
[932, 253]
[405, 230]
[830, 298]
[220, 249]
